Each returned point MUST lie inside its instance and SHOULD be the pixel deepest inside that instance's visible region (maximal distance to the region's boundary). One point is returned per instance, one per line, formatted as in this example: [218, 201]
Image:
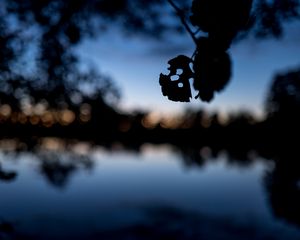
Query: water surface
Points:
[84, 192]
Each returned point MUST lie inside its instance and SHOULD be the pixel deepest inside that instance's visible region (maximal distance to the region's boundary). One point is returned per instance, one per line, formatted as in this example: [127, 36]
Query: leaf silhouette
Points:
[212, 69]
[176, 85]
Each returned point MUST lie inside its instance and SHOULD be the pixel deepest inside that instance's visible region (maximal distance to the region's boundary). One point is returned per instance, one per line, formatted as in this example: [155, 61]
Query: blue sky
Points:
[135, 65]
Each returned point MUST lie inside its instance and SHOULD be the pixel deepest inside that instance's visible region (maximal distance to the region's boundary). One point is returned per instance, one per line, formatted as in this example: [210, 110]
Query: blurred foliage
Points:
[37, 58]
[283, 100]
[41, 76]
[269, 17]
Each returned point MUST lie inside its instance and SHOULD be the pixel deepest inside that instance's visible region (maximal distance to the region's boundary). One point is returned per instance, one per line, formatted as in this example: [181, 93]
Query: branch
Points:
[180, 14]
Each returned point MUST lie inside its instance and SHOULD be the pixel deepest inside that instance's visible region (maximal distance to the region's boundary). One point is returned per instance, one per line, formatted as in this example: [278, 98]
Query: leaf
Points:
[212, 69]
[176, 85]
[221, 19]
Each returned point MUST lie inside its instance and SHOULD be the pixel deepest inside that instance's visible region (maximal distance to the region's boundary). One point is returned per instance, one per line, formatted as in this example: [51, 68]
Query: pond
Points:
[79, 191]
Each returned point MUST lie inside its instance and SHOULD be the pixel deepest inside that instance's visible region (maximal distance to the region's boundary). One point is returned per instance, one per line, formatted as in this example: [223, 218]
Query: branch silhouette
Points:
[181, 15]
[211, 63]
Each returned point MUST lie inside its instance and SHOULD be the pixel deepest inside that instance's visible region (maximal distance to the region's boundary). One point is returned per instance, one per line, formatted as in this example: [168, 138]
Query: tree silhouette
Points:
[38, 62]
[283, 99]
[37, 58]
[269, 17]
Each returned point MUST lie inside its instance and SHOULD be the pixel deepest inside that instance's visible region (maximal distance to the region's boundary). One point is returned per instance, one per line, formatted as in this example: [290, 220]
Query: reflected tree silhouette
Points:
[192, 157]
[283, 108]
[6, 229]
[58, 167]
[56, 172]
[282, 185]
[7, 176]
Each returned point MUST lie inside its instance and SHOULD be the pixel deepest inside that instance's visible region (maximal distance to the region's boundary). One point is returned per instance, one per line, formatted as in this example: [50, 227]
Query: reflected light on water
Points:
[8, 144]
[52, 144]
[163, 150]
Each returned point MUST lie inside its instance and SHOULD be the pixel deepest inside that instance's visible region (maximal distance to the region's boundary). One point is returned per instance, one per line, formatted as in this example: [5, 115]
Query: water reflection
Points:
[58, 167]
[7, 175]
[283, 186]
[158, 192]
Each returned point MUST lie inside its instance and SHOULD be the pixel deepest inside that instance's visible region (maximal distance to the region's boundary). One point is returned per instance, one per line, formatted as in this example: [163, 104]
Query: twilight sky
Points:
[135, 65]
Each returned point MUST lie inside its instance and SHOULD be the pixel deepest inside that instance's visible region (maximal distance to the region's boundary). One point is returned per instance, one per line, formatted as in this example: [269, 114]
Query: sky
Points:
[136, 63]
